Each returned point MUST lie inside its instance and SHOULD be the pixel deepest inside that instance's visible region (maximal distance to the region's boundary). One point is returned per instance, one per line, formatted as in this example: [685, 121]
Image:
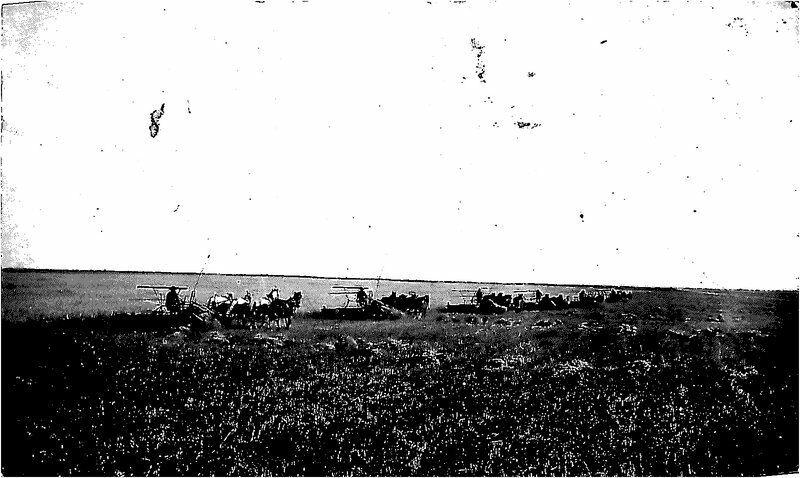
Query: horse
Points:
[408, 303]
[499, 298]
[587, 300]
[391, 300]
[220, 304]
[284, 308]
[273, 309]
[418, 304]
[261, 307]
[491, 307]
[241, 309]
[560, 302]
[618, 296]
[546, 303]
[261, 310]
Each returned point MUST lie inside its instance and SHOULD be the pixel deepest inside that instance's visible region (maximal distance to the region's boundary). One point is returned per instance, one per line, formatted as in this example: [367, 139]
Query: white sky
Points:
[357, 139]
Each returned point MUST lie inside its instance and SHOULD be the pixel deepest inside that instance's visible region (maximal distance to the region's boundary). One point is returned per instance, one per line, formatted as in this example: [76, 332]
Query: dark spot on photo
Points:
[155, 120]
[480, 66]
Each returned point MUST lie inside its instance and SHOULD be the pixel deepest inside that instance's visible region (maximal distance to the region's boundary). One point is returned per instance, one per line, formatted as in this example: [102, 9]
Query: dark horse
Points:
[271, 310]
[408, 303]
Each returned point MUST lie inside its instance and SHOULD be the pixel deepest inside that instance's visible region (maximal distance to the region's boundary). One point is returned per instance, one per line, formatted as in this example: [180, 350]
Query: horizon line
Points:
[307, 276]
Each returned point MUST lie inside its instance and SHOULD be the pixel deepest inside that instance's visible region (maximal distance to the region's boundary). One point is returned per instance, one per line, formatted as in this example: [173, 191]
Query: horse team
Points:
[411, 303]
[271, 309]
[499, 302]
[267, 310]
[582, 300]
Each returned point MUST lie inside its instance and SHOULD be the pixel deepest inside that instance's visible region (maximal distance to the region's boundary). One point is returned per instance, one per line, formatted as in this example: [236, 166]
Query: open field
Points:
[37, 294]
[646, 387]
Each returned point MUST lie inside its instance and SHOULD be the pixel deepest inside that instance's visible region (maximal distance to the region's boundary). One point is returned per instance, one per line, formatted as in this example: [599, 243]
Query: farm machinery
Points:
[225, 309]
[358, 303]
[478, 301]
[174, 309]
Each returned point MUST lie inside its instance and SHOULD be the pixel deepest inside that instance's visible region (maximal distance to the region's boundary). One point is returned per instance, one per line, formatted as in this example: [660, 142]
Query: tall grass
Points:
[402, 398]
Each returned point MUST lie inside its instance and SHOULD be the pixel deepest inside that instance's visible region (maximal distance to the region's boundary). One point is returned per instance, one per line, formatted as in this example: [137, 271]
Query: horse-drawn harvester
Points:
[174, 309]
[478, 301]
[358, 304]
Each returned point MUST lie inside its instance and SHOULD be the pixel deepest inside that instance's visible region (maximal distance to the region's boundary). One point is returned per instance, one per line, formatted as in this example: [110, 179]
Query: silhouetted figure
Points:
[361, 297]
[172, 301]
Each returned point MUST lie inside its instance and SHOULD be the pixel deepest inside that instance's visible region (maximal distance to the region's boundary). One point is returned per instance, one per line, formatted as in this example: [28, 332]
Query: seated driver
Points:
[172, 300]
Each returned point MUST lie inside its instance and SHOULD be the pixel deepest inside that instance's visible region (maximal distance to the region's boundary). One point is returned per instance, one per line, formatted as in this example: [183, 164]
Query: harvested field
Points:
[655, 386]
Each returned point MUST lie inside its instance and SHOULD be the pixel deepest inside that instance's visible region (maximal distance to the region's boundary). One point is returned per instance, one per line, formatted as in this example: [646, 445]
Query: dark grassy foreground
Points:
[619, 395]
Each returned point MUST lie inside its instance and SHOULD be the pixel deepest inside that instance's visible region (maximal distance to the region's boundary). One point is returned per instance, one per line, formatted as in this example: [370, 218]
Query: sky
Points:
[637, 143]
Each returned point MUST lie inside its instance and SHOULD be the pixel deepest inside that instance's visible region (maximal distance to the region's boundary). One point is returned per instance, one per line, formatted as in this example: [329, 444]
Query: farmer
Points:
[172, 301]
[361, 297]
[478, 296]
